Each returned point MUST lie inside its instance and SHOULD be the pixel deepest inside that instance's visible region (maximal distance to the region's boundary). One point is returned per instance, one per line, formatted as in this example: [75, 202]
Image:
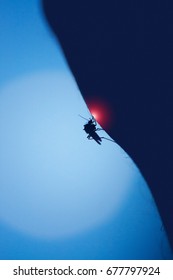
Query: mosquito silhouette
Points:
[91, 129]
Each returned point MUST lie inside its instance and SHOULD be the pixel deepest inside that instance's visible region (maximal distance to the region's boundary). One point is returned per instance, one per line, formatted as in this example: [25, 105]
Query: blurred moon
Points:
[54, 181]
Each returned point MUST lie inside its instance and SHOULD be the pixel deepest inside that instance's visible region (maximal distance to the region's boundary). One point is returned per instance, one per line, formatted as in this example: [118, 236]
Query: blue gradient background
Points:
[61, 196]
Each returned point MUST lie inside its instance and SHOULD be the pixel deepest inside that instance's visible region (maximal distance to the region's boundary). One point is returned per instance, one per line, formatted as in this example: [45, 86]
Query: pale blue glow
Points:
[55, 180]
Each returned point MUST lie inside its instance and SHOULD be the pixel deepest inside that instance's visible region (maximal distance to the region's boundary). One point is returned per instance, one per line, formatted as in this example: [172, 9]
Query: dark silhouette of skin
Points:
[122, 52]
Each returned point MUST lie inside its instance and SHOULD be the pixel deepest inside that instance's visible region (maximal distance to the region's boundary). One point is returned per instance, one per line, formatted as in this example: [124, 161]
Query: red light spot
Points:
[101, 111]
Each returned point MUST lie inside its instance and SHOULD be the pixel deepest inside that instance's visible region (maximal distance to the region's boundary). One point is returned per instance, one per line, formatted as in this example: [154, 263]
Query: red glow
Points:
[101, 111]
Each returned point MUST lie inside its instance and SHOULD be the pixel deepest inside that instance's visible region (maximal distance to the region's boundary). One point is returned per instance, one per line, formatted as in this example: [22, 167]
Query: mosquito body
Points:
[90, 128]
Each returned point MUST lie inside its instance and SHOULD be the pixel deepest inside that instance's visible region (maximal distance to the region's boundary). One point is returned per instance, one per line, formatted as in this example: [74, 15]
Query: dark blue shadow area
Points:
[121, 52]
